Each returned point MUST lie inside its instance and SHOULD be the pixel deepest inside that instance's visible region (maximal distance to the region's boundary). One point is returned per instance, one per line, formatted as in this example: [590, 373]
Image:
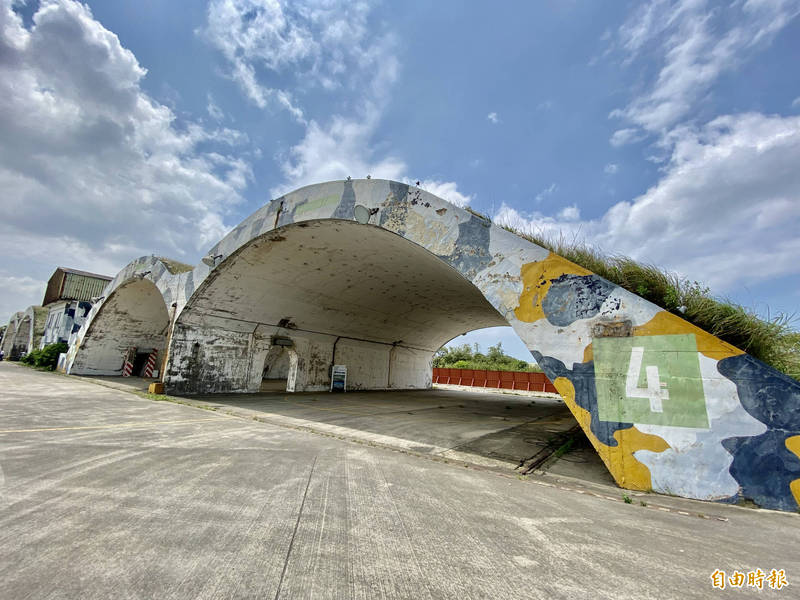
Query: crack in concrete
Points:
[296, 525]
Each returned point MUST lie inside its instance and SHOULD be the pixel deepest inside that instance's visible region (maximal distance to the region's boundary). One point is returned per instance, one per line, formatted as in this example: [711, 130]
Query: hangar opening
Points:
[130, 326]
[15, 340]
[8, 337]
[275, 375]
[307, 296]
[22, 338]
[276, 315]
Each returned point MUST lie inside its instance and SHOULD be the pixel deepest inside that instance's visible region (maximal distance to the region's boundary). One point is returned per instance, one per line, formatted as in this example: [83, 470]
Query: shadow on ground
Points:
[498, 430]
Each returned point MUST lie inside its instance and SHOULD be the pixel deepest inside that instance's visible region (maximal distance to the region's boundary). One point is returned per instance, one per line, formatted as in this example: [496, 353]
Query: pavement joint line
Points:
[613, 499]
[347, 412]
[135, 424]
[296, 525]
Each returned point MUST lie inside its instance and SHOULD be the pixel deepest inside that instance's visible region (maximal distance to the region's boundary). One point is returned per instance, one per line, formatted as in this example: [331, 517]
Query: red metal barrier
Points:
[508, 380]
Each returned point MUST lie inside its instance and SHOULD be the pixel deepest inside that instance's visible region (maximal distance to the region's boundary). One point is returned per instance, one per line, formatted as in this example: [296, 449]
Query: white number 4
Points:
[655, 390]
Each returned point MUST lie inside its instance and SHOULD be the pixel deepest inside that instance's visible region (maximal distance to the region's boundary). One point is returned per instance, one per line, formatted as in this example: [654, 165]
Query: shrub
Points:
[46, 358]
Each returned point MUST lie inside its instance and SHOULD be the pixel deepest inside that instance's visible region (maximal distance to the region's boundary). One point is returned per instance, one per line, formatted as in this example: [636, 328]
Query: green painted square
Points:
[307, 206]
[678, 372]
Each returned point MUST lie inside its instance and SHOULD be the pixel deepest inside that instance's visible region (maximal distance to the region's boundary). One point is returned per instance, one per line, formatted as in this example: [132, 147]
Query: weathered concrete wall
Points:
[212, 360]
[379, 366]
[410, 368]
[38, 315]
[219, 355]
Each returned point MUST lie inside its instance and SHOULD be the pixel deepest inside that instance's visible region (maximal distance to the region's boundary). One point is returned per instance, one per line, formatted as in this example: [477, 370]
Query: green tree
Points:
[464, 357]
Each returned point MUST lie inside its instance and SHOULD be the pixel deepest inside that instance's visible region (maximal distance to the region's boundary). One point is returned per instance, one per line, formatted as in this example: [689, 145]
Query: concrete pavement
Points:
[509, 432]
[106, 494]
[489, 428]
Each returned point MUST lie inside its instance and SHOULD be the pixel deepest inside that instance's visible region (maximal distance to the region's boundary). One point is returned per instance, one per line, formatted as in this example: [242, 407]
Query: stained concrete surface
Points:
[137, 384]
[488, 428]
[106, 494]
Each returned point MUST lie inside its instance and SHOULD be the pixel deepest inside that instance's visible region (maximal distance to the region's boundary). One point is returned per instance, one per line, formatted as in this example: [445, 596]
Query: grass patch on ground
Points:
[773, 341]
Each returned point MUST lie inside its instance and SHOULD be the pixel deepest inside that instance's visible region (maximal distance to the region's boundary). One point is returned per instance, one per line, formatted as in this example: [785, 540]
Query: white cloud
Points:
[337, 151]
[493, 118]
[344, 144]
[539, 224]
[611, 169]
[447, 190]
[642, 25]
[726, 210]
[214, 111]
[625, 136]
[695, 44]
[796, 102]
[26, 291]
[93, 170]
[548, 191]
[569, 213]
[345, 148]
[316, 43]
[730, 196]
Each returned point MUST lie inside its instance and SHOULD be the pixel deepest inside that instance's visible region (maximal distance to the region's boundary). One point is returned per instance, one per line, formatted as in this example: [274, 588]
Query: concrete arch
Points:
[22, 338]
[10, 342]
[134, 311]
[338, 291]
[24, 331]
[133, 316]
[666, 405]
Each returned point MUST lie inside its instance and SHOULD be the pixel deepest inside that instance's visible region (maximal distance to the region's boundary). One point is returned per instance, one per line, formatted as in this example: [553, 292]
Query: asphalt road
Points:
[106, 494]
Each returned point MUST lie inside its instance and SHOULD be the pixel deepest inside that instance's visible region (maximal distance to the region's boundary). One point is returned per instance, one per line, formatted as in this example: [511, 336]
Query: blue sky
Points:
[664, 130]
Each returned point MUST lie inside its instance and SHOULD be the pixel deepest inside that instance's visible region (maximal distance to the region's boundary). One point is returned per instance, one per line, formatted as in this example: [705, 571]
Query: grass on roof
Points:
[173, 266]
[772, 341]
